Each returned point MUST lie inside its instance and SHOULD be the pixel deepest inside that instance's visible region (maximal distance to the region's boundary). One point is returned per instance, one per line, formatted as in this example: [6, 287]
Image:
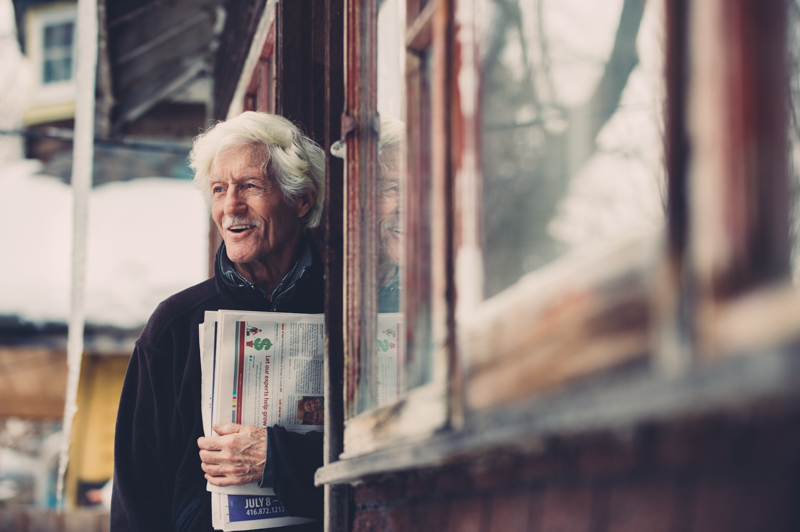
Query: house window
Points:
[596, 210]
[570, 176]
[571, 145]
[534, 133]
[51, 48]
[57, 52]
[397, 340]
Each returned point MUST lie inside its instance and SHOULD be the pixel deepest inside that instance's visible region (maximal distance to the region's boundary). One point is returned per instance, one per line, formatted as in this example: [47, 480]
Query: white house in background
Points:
[148, 227]
[49, 43]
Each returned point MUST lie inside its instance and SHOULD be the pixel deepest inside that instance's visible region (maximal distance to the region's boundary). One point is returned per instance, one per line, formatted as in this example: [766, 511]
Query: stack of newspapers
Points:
[261, 369]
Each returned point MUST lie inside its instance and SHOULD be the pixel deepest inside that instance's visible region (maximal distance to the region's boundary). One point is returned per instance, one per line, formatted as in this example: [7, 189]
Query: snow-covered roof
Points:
[148, 238]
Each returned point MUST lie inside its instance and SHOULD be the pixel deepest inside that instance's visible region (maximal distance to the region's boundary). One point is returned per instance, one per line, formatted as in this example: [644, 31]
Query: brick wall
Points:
[715, 474]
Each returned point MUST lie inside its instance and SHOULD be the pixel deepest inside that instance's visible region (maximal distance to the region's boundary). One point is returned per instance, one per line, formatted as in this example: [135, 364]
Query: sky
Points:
[147, 237]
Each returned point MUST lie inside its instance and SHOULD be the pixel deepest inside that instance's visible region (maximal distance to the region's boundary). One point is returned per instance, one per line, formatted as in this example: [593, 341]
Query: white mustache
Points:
[228, 222]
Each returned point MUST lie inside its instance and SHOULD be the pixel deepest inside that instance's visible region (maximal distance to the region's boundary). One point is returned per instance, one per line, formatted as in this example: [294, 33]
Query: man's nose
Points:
[234, 201]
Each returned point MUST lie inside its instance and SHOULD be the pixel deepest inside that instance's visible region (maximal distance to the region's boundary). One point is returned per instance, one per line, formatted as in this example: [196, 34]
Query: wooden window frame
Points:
[723, 256]
[424, 409]
[655, 327]
[260, 93]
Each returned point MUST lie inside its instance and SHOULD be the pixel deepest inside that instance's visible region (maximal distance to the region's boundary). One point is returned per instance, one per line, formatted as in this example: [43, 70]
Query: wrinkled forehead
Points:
[241, 155]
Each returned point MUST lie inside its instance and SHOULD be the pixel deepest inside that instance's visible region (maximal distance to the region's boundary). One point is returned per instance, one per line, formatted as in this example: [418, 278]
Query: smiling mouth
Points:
[239, 228]
[239, 224]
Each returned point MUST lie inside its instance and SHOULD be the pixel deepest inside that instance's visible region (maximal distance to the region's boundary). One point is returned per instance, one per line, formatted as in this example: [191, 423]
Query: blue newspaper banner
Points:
[251, 507]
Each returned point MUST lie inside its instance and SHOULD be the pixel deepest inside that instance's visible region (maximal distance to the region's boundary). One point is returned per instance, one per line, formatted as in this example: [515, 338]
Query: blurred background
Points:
[147, 236]
[581, 141]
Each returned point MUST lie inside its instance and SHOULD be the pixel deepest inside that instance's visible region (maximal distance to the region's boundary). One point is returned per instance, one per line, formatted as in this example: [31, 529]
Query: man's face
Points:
[250, 211]
[390, 233]
[315, 418]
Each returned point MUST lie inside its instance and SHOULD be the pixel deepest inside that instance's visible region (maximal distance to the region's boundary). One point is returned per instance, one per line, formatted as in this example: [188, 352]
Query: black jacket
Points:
[158, 481]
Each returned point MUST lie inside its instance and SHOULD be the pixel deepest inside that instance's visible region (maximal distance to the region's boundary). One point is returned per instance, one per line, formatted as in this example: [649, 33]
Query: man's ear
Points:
[305, 202]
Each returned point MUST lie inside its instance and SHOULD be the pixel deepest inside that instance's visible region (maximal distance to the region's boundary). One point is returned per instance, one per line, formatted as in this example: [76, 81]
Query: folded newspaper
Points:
[261, 369]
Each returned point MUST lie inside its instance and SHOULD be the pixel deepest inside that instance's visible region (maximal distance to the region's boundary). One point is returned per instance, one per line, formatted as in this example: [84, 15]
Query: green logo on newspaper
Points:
[260, 344]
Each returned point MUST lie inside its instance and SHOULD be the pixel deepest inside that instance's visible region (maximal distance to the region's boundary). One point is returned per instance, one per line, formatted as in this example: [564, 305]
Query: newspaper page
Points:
[208, 330]
[267, 370]
[389, 358]
[208, 334]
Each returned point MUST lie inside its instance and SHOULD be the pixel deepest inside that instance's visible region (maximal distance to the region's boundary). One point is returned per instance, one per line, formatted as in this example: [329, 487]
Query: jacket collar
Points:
[226, 273]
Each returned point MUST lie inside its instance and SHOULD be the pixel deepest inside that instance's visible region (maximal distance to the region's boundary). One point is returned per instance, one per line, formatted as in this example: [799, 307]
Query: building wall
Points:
[714, 474]
[33, 382]
[92, 450]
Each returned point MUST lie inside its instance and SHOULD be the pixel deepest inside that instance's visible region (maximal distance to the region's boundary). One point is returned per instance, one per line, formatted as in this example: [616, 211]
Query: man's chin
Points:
[389, 262]
[240, 256]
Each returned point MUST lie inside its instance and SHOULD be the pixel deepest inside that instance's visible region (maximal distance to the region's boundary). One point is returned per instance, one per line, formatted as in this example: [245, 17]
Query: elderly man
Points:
[391, 236]
[265, 183]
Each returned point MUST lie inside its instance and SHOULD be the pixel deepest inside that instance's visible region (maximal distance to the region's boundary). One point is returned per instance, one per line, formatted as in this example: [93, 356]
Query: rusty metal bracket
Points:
[348, 126]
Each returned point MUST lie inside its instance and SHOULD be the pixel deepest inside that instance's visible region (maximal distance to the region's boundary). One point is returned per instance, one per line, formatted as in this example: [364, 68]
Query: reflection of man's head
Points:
[390, 231]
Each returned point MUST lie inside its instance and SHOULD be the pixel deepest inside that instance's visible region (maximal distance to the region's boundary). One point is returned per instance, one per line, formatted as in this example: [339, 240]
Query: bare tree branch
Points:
[523, 190]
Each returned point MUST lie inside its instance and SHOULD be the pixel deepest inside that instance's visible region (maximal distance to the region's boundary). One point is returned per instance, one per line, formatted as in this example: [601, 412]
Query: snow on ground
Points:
[147, 240]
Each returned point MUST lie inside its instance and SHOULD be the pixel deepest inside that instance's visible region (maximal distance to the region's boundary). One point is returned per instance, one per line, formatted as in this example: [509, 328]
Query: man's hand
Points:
[236, 456]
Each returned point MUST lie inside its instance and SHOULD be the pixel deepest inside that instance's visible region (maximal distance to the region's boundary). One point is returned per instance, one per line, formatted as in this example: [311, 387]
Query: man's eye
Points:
[251, 185]
[216, 190]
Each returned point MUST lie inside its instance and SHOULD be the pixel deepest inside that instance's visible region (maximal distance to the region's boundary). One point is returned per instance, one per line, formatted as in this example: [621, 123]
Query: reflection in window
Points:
[57, 52]
[572, 95]
[391, 234]
[383, 375]
[390, 357]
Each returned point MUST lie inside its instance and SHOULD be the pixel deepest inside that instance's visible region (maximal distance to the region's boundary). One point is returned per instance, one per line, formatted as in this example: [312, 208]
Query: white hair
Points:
[392, 138]
[291, 160]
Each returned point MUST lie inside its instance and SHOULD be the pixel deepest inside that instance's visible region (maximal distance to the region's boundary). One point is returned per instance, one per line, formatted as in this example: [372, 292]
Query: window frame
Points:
[37, 19]
[425, 408]
[671, 321]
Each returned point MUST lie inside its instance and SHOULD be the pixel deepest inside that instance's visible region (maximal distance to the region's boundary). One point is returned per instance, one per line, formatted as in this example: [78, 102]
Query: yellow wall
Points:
[92, 450]
[48, 113]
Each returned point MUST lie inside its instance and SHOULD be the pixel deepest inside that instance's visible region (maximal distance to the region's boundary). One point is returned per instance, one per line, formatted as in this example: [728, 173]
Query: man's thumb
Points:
[227, 428]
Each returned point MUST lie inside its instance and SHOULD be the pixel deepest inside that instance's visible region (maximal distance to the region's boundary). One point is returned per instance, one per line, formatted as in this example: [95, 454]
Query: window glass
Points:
[420, 220]
[383, 375]
[793, 42]
[571, 146]
[57, 52]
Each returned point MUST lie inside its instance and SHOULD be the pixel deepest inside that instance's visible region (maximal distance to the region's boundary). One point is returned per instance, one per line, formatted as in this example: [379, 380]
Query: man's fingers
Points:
[220, 481]
[228, 476]
[218, 470]
[227, 428]
[208, 444]
[235, 457]
[216, 457]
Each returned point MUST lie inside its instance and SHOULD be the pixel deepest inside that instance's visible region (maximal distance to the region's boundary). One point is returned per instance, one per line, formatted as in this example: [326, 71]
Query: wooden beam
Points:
[338, 510]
